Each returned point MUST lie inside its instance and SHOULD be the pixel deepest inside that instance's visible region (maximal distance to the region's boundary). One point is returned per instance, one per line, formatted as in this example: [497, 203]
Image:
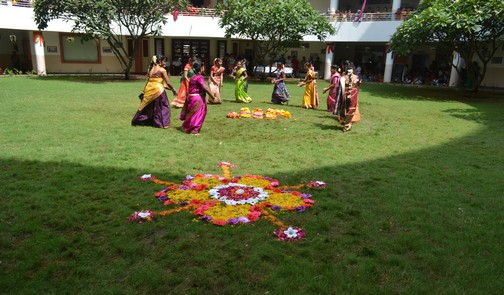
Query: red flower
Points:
[201, 210]
[308, 201]
[255, 208]
[219, 222]
[194, 201]
[168, 202]
[160, 194]
[200, 187]
[254, 215]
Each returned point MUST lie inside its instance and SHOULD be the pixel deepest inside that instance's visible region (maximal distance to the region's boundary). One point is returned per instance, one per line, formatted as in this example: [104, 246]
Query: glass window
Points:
[75, 49]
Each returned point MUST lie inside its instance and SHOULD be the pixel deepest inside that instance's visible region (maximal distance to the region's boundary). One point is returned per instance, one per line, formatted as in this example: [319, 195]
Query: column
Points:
[333, 6]
[458, 64]
[328, 60]
[396, 4]
[38, 46]
[389, 65]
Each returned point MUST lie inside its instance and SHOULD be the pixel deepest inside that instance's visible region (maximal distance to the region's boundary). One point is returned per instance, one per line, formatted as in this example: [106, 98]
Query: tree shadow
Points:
[421, 220]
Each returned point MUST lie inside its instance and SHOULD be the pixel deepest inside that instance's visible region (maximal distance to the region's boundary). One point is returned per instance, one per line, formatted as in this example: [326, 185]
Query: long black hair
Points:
[156, 60]
[196, 67]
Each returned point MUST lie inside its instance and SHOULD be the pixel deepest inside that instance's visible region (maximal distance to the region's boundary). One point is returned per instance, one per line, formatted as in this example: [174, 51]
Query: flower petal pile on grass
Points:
[259, 114]
[141, 216]
[290, 234]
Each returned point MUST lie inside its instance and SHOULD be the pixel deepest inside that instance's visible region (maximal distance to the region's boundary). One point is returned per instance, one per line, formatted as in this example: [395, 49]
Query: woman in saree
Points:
[179, 100]
[240, 84]
[154, 109]
[310, 97]
[195, 107]
[216, 79]
[280, 94]
[333, 88]
[347, 106]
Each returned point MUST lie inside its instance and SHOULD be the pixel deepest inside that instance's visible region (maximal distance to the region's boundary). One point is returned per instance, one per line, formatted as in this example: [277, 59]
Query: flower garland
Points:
[259, 114]
[226, 200]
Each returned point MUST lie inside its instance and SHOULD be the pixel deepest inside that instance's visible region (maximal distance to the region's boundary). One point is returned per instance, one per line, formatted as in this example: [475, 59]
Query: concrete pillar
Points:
[458, 62]
[395, 5]
[328, 60]
[333, 6]
[38, 46]
[389, 65]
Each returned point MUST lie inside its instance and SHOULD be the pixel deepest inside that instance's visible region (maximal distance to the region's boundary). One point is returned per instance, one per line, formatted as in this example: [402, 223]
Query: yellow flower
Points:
[284, 200]
[222, 211]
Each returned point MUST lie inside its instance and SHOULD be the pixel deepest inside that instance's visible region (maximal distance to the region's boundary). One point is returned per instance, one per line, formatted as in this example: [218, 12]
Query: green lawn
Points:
[413, 205]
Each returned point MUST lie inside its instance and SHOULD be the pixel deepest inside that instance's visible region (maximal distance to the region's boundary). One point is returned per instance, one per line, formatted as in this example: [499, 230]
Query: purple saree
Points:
[154, 110]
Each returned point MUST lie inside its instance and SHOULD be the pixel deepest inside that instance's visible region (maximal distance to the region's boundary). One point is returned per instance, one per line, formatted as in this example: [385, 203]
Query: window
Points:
[145, 46]
[159, 46]
[75, 49]
[183, 49]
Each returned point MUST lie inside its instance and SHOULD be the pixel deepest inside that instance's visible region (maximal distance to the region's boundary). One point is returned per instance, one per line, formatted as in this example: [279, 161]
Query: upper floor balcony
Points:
[202, 22]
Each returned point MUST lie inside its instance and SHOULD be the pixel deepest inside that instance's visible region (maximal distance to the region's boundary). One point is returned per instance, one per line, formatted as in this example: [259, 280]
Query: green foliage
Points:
[273, 26]
[110, 20]
[470, 27]
[12, 72]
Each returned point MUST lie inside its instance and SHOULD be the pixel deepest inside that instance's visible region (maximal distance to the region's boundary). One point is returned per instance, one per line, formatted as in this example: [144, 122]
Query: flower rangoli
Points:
[226, 200]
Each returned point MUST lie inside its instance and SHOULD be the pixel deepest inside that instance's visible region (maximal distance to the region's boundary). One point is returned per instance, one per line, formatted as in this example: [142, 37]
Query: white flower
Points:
[240, 191]
[291, 233]
[144, 214]
[146, 176]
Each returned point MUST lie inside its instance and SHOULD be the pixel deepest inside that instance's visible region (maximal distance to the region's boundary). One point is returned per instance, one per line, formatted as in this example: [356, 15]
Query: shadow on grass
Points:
[416, 222]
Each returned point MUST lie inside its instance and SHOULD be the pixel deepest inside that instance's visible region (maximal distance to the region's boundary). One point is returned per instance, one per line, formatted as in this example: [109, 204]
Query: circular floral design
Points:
[238, 194]
[226, 200]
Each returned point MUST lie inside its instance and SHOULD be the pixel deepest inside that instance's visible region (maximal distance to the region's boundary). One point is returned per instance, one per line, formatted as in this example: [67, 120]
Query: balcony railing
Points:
[21, 3]
[212, 12]
[371, 16]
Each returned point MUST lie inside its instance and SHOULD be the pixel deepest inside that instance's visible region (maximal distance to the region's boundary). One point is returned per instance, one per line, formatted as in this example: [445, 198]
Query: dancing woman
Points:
[216, 80]
[179, 100]
[240, 84]
[333, 88]
[280, 93]
[195, 107]
[310, 97]
[347, 106]
[154, 109]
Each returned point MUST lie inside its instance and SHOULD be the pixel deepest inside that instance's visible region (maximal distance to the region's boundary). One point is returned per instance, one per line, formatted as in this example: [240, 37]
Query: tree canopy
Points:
[473, 28]
[110, 20]
[273, 26]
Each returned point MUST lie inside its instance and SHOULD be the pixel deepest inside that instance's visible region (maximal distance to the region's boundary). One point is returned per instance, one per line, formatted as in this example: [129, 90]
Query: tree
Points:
[470, 27]
[272, 26]
[110, 20]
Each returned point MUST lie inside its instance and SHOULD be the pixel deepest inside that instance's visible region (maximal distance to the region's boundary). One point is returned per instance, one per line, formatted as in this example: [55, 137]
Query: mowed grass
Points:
[414, 201]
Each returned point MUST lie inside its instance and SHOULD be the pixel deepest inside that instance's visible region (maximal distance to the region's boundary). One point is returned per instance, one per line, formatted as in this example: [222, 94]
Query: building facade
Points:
[57, 50]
